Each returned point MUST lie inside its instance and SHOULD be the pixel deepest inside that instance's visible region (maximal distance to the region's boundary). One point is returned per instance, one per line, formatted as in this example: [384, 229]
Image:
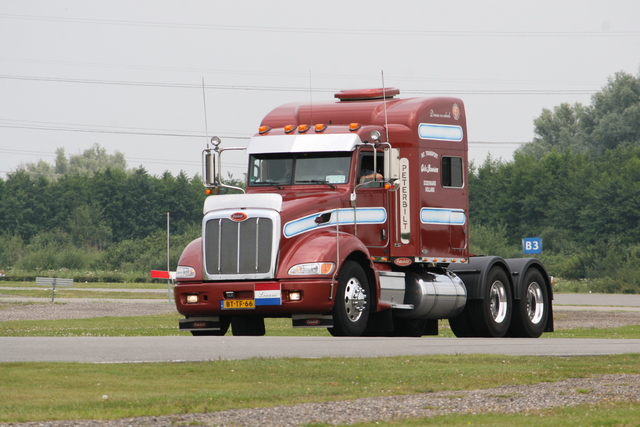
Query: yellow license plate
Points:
[237, 303]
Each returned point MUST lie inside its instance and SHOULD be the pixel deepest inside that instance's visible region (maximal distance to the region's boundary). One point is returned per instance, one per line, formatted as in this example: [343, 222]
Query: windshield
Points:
[299, 168]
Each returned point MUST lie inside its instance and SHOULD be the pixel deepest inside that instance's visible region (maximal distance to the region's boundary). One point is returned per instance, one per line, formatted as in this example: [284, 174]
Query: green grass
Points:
[159, 325]
[90, 285]
[71, 293]
[55, 391]
[167, 324]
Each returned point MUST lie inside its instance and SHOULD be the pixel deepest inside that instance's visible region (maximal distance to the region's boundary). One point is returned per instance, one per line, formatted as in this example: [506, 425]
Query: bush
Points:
[492, 240]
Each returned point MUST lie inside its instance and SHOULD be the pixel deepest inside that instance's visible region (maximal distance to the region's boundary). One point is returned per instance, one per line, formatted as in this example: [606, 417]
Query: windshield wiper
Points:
[273, 183]
[317, 181]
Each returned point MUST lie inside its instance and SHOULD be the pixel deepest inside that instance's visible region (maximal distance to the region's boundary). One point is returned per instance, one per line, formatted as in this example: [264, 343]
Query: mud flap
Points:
[311, 321]
[200, 324]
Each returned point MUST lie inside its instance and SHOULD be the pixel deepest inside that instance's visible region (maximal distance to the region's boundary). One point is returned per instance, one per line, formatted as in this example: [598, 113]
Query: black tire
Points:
[461, 324]
[247, 326]
[224, 327]
[531, 311]
[408, 327]
[491, 316]
[351, 308]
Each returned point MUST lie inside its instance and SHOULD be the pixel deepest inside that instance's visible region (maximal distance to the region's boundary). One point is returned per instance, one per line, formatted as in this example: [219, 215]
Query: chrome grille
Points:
[241, 249]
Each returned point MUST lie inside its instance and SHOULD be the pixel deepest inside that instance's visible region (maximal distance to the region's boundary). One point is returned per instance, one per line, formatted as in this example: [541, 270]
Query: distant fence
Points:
[53, 282]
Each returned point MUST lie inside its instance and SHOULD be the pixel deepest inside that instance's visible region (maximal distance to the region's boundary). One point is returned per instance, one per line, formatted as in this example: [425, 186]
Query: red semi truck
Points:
[356, 219]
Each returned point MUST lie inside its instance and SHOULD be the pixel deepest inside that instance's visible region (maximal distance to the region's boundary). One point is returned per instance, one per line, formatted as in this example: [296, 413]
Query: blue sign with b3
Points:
[532, 245]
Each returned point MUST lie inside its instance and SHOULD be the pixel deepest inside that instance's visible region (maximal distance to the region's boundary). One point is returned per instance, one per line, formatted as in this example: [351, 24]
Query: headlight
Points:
[183, 272]
[311, 269]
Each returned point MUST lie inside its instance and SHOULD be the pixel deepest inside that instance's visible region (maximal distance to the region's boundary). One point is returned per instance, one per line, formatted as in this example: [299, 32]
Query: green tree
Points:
[616, 113]
[612, 119]
[88, 228]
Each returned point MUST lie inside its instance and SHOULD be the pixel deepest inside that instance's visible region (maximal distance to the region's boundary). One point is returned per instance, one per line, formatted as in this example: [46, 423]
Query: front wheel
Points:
[530, 313]
[491, 316]
[351, 308]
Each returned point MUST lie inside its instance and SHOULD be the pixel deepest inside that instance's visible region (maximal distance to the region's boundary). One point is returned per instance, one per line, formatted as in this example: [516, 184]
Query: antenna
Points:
[384, 102]
[204, 100]
[310, 98]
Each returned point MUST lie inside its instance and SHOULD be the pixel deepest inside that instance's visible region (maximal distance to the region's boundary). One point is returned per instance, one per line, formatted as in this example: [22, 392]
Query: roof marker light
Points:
[303, 128]
[289, 128]
[264, 129]
[320, 127]
[354, 126]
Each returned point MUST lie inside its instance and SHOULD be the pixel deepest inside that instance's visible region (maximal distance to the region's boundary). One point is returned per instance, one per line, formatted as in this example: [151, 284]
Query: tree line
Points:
[89, 212]
[576, 185]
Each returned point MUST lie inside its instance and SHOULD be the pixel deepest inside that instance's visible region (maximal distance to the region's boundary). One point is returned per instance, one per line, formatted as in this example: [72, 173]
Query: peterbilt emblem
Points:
[312, 322]
[402, 261]
[199, 324]
[238, 216]
[456, 111]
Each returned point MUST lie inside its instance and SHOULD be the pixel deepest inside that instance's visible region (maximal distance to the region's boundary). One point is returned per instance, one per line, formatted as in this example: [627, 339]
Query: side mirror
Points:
[209, 176]
[392, 164]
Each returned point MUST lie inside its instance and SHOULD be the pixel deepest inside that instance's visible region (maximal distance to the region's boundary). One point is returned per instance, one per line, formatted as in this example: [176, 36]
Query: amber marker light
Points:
[289, 128]
[264, 129]
[354, 126]
[303, 128]
[320, 127]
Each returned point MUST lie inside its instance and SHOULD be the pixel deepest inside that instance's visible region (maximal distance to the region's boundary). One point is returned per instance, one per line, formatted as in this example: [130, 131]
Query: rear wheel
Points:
[351, 308]
[491, 316]
[530, 313]
[247, 325]
[461, 324]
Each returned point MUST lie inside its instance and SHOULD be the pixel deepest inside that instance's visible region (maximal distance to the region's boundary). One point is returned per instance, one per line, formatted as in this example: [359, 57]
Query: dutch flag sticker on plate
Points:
[268, 294]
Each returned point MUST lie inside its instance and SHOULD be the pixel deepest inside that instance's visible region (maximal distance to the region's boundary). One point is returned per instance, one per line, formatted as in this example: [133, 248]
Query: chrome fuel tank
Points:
[432, 295]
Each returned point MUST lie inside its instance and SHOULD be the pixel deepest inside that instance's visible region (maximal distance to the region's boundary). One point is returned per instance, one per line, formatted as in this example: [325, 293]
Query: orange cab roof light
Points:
[289, 128]
[303, 128]
[264, 129]
[354, 126]
[320, 127]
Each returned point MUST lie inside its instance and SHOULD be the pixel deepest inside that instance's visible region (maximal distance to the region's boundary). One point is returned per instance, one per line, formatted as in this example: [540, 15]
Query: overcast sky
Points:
[128, 74]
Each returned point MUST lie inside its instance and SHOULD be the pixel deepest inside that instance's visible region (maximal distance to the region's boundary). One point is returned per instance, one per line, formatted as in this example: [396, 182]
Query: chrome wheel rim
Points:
[355, 299]
[498, 301]
[535, 303]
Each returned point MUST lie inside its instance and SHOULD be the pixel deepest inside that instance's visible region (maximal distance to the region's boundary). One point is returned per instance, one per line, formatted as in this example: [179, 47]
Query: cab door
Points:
[372, 203]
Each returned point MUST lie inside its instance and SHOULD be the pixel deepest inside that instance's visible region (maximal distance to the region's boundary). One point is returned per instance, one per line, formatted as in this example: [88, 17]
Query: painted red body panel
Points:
[430, 241]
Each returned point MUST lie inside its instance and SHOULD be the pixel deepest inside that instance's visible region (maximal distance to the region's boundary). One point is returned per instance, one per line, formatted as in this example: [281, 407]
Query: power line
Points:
[351, 31]
[263, 73]
[300, 89]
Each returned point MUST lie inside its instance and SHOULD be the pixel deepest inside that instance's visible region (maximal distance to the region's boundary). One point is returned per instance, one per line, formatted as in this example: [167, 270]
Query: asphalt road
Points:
[195, 349]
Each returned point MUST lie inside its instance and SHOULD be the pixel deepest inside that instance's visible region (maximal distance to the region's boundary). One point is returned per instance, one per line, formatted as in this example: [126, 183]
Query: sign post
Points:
[532, 245]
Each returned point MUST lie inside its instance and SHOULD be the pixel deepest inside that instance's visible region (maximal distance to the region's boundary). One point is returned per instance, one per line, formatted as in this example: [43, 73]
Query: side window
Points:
[366, 167]
[452, 172]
